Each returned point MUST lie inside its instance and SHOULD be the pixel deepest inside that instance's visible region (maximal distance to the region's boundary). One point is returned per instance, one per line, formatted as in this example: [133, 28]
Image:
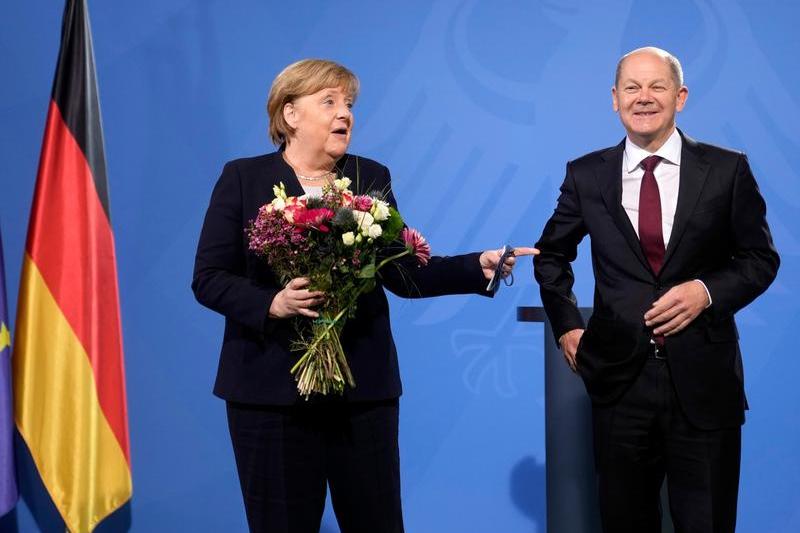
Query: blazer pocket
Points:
[709, 206]
[722, 332]
[606, 338]
[605, 328]
[579, 349]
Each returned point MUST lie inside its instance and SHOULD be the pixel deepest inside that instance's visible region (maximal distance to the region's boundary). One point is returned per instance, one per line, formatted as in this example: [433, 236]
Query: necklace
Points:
[314, 178]
[318, 177]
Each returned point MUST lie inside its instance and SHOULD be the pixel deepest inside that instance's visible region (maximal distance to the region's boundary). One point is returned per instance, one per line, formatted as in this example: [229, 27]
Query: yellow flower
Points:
[342, 183]
[279, 191]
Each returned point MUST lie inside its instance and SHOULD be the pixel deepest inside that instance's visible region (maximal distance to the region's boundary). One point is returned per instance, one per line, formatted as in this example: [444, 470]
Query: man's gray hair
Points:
[674, 64]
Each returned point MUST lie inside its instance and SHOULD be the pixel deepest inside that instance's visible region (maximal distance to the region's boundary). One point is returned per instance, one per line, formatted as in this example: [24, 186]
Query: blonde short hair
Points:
[300, 79]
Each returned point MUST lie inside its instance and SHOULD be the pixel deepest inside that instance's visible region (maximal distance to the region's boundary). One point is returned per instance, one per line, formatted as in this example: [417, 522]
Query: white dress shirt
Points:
[667, 174]
[668, 178]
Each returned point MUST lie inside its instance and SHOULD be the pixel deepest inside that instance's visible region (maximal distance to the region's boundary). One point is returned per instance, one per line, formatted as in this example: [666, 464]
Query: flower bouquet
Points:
[339, 241]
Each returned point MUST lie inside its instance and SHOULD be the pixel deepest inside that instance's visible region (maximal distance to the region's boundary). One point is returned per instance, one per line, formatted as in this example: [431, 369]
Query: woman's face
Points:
[322, 121]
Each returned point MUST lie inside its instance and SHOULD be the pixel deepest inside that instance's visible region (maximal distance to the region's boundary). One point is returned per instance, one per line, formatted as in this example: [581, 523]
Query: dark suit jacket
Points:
[720, 236]
[255, 359]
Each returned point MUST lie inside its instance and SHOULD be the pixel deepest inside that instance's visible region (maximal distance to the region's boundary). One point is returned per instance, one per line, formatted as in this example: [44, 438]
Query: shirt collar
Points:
[670, 151]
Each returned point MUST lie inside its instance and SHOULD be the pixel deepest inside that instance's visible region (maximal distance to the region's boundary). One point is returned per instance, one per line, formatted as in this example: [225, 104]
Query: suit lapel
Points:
[693, 174]
[609, 179]
[284, 173]
[350, 167]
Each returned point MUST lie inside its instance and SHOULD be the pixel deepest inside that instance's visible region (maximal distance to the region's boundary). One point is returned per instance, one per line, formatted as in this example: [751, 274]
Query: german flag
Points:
[68, 372]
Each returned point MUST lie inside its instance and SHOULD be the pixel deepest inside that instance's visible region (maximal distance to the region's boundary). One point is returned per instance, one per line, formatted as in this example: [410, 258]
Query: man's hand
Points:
[677, 308]
[294, 300]
[489, 260]
[569, 346]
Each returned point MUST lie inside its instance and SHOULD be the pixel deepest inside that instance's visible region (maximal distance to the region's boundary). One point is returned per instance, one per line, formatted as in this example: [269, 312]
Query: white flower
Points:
[279, 203]
[364, 221]
[348, 238]
[380, 210]
[342, 183]
[374, 231]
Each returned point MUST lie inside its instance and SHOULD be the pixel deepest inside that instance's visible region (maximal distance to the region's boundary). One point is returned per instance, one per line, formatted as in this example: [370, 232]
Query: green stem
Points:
[392, 258]
[341, 313]
[324, 334]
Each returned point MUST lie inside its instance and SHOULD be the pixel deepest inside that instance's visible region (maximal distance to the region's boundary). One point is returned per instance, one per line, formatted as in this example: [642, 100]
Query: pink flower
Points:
[417, 244]
[362, 203]
[294, 206]
[313, 218]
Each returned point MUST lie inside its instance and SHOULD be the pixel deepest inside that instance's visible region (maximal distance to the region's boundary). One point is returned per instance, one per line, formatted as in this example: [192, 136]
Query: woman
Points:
[287, 450]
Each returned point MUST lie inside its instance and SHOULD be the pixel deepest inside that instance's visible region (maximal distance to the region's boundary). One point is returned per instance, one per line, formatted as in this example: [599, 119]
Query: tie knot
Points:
[649, 163]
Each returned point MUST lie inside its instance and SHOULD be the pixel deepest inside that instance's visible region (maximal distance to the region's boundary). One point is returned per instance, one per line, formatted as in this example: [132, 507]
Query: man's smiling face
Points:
[647, 97]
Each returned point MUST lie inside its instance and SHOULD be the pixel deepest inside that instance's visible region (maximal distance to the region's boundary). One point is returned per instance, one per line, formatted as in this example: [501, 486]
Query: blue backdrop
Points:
[481, 101]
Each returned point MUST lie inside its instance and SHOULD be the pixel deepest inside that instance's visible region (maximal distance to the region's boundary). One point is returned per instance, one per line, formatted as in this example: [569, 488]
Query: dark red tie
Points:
[650, 232]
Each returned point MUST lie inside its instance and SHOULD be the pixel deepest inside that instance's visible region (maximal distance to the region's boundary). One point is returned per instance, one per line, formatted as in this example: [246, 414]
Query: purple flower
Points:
[362, 203]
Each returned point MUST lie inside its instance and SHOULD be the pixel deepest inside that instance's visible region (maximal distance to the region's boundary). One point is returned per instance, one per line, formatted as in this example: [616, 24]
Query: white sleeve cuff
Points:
[707, 293]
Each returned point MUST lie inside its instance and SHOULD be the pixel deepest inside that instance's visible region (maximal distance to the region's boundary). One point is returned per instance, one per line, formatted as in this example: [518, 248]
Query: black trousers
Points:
[646, 436]
[286, 456]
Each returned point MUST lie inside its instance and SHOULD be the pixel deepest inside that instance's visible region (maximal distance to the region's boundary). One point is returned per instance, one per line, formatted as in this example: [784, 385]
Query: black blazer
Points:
[255, 360]
[720, 236]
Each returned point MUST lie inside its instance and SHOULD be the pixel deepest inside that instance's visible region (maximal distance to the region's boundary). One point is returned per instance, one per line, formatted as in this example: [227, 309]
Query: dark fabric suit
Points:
[253, 373]
[720, 236]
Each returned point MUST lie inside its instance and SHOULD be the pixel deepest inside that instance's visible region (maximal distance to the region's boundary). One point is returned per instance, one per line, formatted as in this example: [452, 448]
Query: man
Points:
[679, 244]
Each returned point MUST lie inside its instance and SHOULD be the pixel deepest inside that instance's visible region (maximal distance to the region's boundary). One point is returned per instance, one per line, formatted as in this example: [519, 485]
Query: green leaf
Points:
[368, 286]
[367, 271]
[393, 225]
